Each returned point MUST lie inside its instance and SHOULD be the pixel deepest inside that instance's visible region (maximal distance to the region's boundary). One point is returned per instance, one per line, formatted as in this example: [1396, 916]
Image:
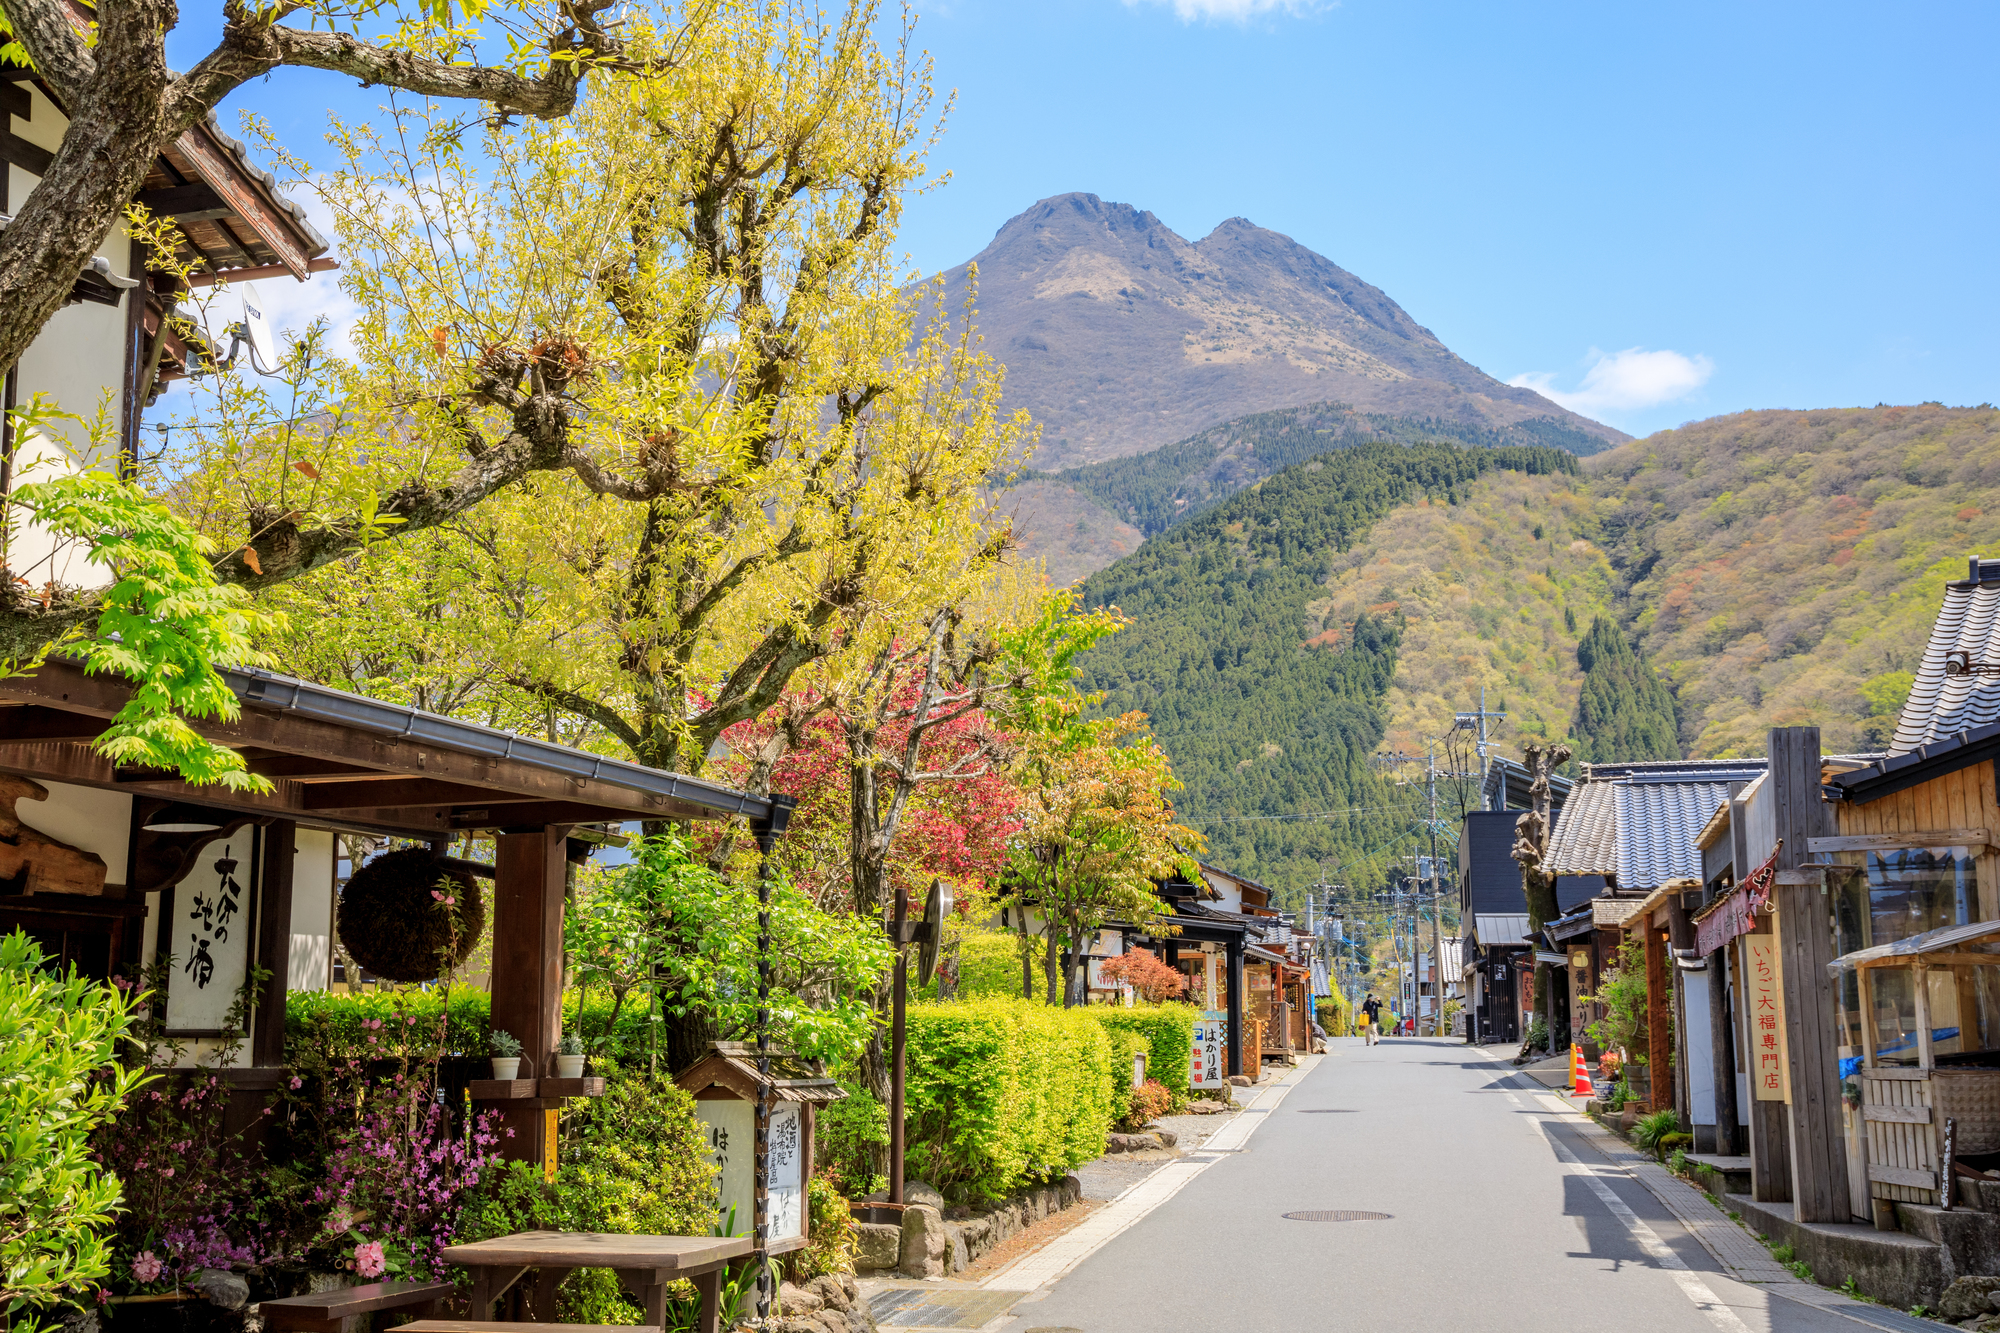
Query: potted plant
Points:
[506, 1055]
[569, 1056]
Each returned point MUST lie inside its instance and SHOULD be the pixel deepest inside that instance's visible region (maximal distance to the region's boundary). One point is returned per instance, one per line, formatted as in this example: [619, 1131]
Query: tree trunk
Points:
[1050, 959]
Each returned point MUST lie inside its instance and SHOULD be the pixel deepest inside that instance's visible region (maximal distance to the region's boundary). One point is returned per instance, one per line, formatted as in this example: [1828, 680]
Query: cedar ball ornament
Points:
[392, 925]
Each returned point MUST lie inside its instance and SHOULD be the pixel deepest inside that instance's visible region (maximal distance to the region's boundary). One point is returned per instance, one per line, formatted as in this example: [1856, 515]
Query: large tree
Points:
[125, 106]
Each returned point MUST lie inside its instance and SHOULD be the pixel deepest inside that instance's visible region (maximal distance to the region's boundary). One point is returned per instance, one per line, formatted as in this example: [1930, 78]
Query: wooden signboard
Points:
[730, 1128]
[1770, 1079]
[208, 929]
[1210, 1036]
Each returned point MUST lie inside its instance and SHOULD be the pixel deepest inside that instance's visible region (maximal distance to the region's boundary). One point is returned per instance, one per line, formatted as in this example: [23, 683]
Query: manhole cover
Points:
[1336, 1215]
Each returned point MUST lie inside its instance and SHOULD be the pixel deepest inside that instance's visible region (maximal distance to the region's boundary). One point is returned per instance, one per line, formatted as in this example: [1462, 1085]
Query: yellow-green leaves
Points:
[164, 622]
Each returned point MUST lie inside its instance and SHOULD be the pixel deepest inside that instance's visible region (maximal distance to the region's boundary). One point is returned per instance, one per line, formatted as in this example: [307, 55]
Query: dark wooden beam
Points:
[302, 766]
[274, 942]
[399, 792]
[14, 101]
[15, 149]
[530, 874]
[186, 203]
[63, 685]
[19, 726]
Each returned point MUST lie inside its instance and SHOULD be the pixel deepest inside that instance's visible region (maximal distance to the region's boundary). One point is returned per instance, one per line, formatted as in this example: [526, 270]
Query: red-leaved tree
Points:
[1143, 971]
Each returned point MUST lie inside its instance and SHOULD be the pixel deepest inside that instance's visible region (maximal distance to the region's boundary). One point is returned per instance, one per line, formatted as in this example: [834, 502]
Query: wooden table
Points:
[645, 1266]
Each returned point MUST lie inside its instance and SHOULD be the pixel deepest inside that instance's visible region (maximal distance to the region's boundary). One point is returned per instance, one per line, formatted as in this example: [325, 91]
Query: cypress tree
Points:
[1624, 711]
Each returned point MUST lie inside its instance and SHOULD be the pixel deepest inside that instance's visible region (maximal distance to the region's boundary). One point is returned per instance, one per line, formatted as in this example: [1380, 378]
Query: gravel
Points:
[1110, 1176]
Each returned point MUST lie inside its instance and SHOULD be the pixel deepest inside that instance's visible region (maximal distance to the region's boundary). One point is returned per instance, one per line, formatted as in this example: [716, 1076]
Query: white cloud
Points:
[1624, 381]
[1234, 11]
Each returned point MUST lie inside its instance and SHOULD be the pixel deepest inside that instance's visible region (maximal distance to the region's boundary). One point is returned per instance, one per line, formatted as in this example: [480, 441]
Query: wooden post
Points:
[1235, 960]
[1819, 1142]
[1659, 994]
[529, 873]
[274, 942]
[1722, 1050]
[1680, 936]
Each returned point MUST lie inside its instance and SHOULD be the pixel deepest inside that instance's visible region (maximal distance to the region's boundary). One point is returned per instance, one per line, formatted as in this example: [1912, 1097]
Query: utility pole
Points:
[1470, 721]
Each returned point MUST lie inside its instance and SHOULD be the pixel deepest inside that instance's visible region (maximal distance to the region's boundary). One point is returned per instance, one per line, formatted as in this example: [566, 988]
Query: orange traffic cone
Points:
[1580, 1084]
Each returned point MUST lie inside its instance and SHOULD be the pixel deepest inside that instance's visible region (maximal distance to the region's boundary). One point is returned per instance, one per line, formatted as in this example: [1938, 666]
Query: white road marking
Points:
[1691, 1284]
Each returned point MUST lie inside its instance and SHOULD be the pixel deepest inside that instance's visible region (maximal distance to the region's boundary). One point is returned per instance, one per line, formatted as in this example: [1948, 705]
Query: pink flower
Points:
[369, 1261]
[167, 1174]
[297, 1083]
[147, 1267]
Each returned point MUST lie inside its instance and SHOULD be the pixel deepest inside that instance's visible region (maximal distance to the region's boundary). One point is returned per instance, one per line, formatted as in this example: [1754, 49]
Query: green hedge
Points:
[1168, 1030]
[1004, 1092]
[323, 1025]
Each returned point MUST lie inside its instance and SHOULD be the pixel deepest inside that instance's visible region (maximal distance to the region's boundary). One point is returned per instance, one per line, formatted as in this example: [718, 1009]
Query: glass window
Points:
[1894, 894]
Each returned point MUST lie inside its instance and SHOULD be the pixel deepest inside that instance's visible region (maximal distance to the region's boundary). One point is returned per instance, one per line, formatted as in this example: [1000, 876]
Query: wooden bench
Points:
[332, 1311]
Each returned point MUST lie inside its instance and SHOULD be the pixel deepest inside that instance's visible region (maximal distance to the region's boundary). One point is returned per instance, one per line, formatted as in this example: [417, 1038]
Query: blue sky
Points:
[1658, 214]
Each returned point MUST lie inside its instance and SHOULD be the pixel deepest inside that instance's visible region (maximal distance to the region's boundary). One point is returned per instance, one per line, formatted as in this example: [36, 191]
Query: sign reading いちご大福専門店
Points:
[1769, 1078]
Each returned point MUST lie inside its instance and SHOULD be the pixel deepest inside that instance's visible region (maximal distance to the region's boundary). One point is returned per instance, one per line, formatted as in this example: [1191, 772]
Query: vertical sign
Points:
[787, 1197]
[549, 1140]
[1206, 1069]
[729, 1125]
[209, 938]
[1768, 1075]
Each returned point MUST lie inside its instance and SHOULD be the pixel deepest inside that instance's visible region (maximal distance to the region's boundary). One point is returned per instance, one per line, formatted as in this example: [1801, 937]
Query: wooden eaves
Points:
[337, 760]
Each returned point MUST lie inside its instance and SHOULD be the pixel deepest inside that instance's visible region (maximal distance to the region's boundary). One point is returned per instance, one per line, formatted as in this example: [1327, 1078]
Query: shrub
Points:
[1126, 1046]
[831, 1230]
[845, 1135]
[1144, 972]
[989, 963]
[1622, 992]
[1150, 1101]
[1003, 1092]
[1649, 1130]
[59, 1038]
[632, 1162]
[1169, 1033]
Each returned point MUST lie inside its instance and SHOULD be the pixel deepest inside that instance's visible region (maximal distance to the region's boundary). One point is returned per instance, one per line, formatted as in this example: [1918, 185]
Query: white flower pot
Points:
[569, 1066]
[506, 1067]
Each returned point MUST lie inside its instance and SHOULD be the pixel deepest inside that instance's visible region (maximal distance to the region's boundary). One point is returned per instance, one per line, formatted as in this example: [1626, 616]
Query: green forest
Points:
[1623, 709]
[1155, 490]
[1272, 734]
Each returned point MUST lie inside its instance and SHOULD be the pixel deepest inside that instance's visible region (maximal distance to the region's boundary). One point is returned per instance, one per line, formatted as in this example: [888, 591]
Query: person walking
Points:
[1372, 1020]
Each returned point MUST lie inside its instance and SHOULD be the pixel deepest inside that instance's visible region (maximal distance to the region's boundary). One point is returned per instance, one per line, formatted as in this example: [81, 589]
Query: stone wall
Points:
[935, 1241]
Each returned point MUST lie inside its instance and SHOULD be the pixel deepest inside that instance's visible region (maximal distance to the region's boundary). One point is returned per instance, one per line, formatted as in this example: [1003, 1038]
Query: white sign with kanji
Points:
[1764, 969]
[1206, 1068]
[208, 935]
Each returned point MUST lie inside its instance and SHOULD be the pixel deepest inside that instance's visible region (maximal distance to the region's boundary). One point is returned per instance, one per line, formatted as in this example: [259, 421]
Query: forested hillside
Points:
[1270, 711]
[1624, 711]
[1153, 491]
[1783, 568]
[1775, 568]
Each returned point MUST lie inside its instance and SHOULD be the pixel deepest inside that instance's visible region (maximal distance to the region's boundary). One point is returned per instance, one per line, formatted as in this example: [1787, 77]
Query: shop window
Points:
[1895, 894]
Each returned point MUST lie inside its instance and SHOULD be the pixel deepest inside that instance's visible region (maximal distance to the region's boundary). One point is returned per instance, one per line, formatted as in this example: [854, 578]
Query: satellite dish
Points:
[264, 358]
[936, 908]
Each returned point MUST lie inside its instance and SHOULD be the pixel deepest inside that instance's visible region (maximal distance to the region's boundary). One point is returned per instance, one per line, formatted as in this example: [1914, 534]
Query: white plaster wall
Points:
[78, 358]
[85, 817]
[1231, 891]
[311, 961]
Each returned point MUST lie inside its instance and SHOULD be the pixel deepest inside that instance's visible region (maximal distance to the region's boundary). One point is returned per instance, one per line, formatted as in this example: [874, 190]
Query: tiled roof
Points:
[1658, 823]
[1582, 841]
[1941, 706]
[1501, 930]
[1640, 821]
[1506, 786]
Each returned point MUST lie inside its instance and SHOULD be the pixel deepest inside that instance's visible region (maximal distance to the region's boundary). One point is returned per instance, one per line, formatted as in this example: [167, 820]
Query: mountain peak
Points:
[1119, 335]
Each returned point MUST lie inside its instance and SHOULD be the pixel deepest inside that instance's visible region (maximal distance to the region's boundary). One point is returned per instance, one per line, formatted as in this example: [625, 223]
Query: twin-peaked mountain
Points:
[1120, 337]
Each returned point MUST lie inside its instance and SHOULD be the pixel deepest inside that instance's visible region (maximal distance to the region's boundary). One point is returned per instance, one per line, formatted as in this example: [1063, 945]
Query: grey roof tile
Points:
[1500, 930]
[1941, 706]
[1582, 843]
[1657, 825]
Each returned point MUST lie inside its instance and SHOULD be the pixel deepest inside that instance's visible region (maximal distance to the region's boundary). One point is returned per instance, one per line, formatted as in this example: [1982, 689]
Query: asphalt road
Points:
[1487, 1228]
